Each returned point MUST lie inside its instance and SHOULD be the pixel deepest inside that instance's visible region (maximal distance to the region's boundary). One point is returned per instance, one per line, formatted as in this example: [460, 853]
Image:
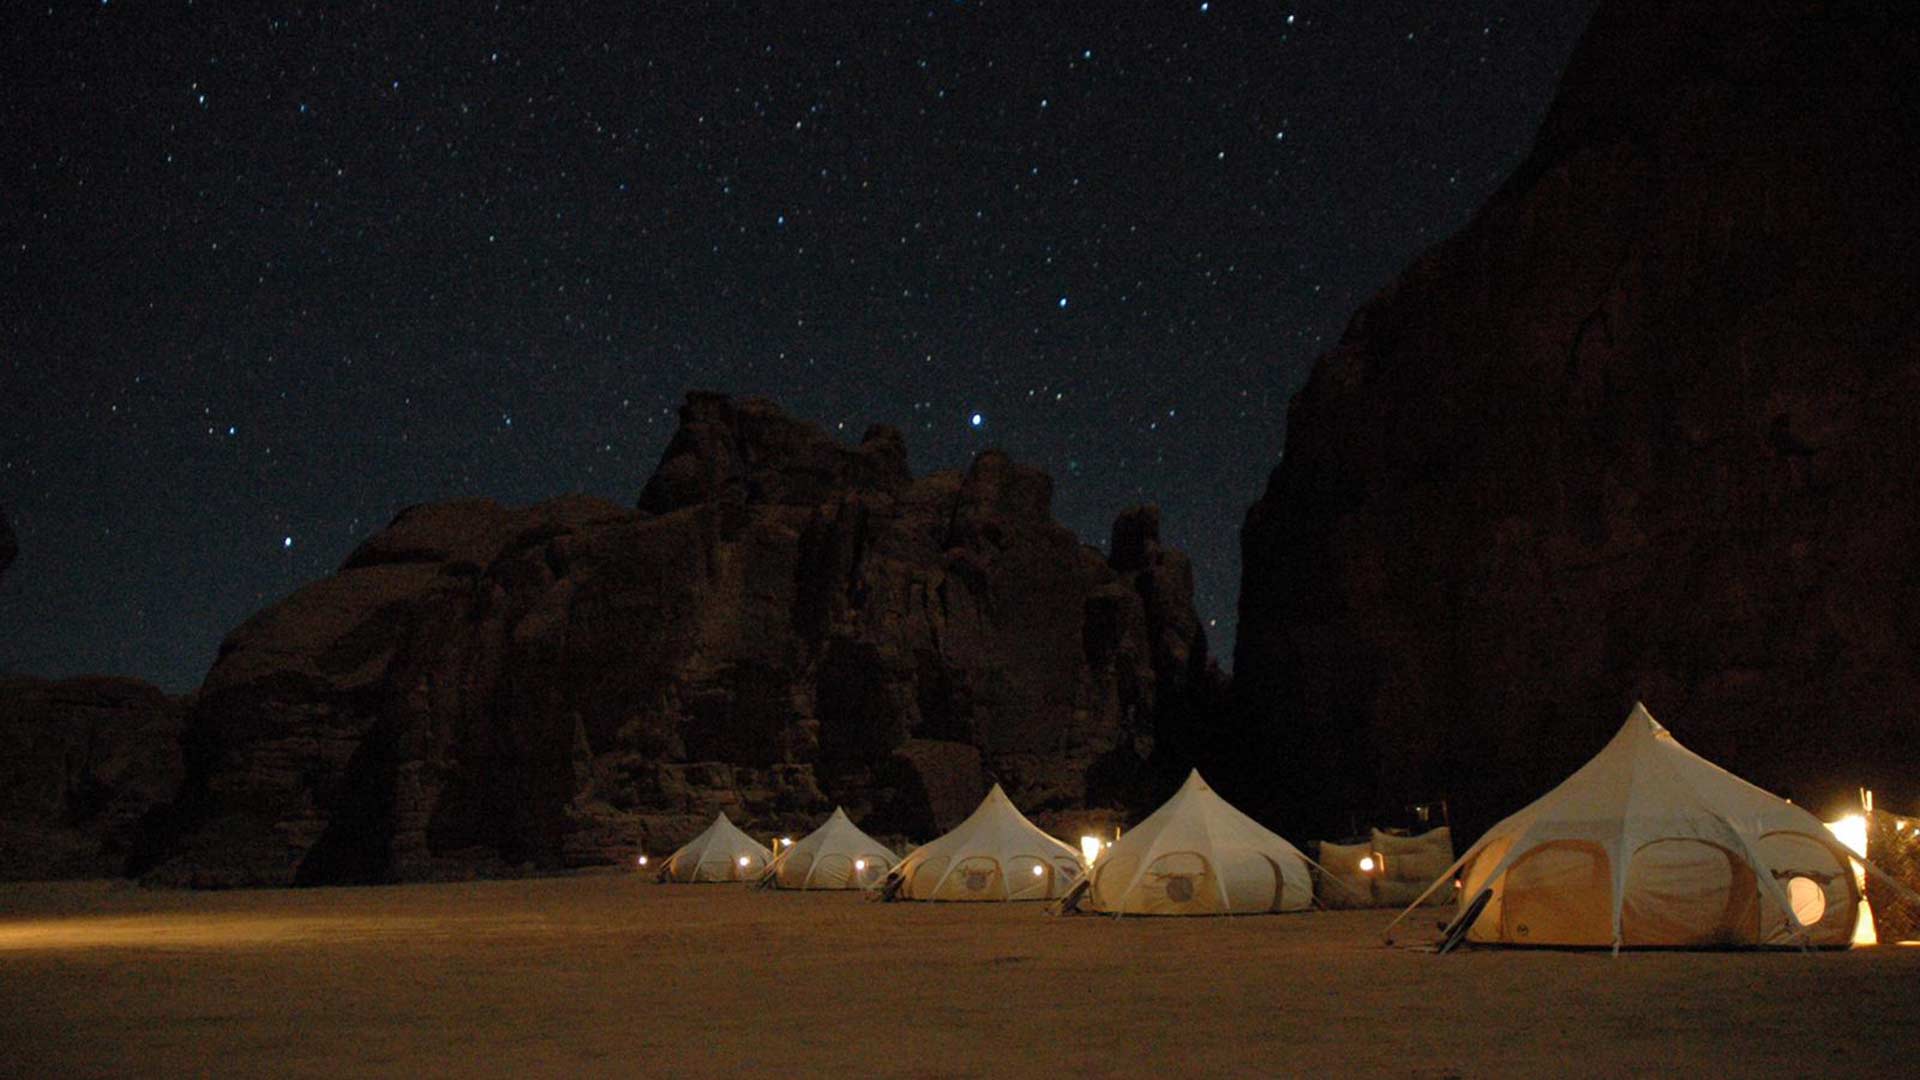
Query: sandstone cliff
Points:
[1645, 429]
[82, 761]
[784, 623]
[9, 547]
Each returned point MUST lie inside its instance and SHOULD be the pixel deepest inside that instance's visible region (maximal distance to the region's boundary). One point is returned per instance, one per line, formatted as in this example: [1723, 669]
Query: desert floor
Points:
[610, 974]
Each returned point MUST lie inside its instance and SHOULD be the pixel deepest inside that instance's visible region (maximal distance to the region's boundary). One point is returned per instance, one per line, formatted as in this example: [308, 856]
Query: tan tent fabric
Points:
[996, 854]
[1649, 844]
[1408, 864]
[837, 855]
[1197, 855]
[720, 853]
[1343, 883]
[1401, 869]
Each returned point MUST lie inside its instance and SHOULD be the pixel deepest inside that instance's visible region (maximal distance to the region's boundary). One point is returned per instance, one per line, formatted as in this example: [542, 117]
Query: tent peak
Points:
[1640, 717]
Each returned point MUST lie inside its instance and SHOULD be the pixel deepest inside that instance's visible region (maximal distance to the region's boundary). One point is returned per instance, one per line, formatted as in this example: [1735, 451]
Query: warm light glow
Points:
[643, 860]
[1039, 870]
[1851, 831]
[742, 860]
[1089, 849]
[786, 841]
[1366, 864]
[859, 864]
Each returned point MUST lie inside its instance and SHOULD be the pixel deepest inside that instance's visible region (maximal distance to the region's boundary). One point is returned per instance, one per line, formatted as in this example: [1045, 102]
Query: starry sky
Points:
[270, 277]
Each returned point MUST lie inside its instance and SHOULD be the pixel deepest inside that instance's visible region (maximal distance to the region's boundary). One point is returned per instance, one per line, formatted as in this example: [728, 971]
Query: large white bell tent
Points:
[1649, 844]
[720, 853]
[836, 855]
[1196, 855]
[996, 854]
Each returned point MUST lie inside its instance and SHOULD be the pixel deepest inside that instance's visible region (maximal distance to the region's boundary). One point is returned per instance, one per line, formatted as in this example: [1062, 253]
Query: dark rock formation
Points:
[82, 761]
[783, 624]
[9, 547]
[1645, 429]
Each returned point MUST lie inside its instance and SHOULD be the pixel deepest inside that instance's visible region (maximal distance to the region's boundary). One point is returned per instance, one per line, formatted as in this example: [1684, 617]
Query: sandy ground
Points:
[611, 974]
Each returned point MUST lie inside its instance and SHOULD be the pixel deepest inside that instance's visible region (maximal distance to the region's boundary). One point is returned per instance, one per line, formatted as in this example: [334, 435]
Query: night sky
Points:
[269, 278]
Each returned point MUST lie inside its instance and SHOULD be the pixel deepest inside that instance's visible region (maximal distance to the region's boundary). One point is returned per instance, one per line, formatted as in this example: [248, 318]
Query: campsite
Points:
[684, 968]
[608, 973]
[964, 539]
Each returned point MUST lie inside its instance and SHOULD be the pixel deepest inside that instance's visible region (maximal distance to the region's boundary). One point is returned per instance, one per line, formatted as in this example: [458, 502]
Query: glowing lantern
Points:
[1089, 848]
[643, 860]
[1366, 864]
[786, 841]
[1039, 870]
[860, 864]
[742, 860]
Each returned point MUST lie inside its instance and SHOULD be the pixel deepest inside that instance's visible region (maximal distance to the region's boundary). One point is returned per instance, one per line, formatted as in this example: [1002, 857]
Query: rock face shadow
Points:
[1631, 435]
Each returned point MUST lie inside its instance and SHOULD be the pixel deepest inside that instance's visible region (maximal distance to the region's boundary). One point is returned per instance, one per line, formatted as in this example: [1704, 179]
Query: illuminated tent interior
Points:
[996, 854]
[720, 853]
[1196, 855]
[1651, 845]
[837, 855]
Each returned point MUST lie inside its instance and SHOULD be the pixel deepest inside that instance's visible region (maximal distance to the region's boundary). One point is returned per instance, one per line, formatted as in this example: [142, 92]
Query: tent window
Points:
[1792, 857]
[1808, 898]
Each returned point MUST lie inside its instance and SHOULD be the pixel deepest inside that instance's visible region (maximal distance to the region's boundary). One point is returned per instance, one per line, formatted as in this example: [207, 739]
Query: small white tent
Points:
[1196, 855]
[720, 853]
[996, 854]
[1649, 844]
[836, 855]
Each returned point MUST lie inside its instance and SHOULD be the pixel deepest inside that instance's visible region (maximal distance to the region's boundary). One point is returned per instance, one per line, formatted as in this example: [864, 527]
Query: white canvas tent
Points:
[836, 855]
[720, 853]
[996, 854]
[1649, 844]
[1196, 855]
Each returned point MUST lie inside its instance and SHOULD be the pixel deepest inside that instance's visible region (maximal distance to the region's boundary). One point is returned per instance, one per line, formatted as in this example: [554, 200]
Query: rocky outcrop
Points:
[1645, 429]
[784, 623]
[9, 547]
[82, 761]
